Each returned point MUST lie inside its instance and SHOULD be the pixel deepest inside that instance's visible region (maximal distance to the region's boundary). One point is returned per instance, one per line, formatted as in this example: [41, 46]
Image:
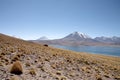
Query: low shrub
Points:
[16, 68]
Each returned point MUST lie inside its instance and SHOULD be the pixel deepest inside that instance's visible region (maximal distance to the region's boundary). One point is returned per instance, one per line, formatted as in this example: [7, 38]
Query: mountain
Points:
[112, 40]
[43, 38]
[108, 39]
[73, 39]
[78, 38]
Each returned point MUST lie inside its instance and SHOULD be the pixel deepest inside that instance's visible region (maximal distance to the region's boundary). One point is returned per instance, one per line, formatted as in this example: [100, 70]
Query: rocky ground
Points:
[39, 62]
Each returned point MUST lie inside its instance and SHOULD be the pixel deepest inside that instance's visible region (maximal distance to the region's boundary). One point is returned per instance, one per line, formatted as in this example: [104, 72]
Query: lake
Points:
[113, 51]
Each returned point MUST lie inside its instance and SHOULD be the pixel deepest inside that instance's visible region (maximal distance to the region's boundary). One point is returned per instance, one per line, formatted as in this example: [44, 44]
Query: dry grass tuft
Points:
[32, 71]
[27, 64]
[15, 58]
[63, 78]
[16, 68]
[98, 77]
[58, 72]
[1, 64]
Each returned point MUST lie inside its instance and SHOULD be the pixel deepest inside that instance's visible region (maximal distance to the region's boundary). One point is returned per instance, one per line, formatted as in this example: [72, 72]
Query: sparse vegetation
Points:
[46, 45]
[63, 78]
[58, 72]
[16, 68]
[51, 63]
[32, 71]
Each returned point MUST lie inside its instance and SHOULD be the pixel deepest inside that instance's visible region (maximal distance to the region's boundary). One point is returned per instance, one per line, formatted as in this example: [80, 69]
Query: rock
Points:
[46, 45]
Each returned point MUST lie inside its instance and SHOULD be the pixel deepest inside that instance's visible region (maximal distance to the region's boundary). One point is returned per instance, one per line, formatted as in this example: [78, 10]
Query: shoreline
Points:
[92, 52]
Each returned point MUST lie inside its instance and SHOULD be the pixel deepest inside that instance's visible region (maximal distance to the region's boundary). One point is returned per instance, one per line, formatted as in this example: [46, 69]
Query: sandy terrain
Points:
[38, 62]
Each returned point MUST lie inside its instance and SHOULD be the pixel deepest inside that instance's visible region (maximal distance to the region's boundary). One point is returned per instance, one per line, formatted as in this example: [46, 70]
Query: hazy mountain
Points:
[108, 39]
[112, 40]
[43, 38]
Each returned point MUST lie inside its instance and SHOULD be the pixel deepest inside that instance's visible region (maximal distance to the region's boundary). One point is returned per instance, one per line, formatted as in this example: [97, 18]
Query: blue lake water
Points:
[114, 51]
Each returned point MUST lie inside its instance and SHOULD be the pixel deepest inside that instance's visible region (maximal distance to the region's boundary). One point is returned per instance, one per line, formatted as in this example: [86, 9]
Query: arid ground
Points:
[23, 60]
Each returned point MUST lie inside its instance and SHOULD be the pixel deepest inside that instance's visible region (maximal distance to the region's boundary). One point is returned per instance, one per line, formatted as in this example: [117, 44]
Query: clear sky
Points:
[31, 19]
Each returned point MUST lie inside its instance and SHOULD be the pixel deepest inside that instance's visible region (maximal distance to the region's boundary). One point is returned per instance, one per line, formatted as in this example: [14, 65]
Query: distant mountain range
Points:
[77, 38]
[113, 39]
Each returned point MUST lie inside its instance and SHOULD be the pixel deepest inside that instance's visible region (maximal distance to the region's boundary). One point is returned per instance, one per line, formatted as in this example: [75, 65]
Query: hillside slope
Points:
[46, 63]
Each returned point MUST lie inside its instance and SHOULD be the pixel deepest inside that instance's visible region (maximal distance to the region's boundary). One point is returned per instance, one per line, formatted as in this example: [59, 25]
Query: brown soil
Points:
[46, 63]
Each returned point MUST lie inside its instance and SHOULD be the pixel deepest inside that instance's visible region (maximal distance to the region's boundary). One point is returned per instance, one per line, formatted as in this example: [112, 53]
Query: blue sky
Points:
[31, 19]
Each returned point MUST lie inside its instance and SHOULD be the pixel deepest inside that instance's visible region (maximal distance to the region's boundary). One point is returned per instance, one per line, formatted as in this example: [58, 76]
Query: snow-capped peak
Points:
[82, 35]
